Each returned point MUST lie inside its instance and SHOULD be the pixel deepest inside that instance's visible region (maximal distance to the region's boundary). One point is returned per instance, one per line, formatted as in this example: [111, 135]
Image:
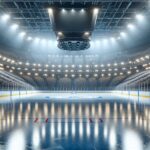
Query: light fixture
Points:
[28, 73]
[96, 10]
[122, 63]
[37, 39]
[82, 10]
[66, 75]
[72, 10]
[95, 75]
[73, 75]
[66, 66]
[112, 39]
[29, 38]
[123, 34]
[50, 11]
[5, 17]
[46, 65]
[27, 64]
[129, 72]
[22, 34]
[60, 33]
[139, 17]
[14, 26]
[86, 33]
[63, 10]
[45, 75]
[131, 26]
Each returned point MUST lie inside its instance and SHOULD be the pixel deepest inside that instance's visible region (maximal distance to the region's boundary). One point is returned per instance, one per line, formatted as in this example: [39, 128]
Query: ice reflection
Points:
[43, 131]
[105, 131]
[132, 140]
[36, 138]
[96, 129]
[80, 128]
[112, 138]
[52, 129]
[113, 122]
[16, 140]
[66, 127]
[59, 127]
[88, 130]
[73, 128]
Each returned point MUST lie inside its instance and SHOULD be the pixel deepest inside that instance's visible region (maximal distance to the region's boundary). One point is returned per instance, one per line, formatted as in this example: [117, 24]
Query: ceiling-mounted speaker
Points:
[73, 25]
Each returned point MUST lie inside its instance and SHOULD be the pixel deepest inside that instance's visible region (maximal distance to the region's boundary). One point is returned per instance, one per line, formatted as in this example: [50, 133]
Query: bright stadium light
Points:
[86, 33]
[112, 39]
[14, 26]
[139, 17]
[72, 11]
[29, 38]
[131, 26]
[82, 10]
[63, 10]
[22, 34]
[37, 39]
[5, 17]
[123, 34]
[96, 10]
[50, 11]
[60, 33]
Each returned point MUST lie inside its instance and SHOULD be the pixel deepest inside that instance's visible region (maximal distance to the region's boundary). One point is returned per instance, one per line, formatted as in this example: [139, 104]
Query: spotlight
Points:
[139, 17]
[60, 33]
[87, 75]
[22, 34]
[130, 26]
[50, 11]
[86, 33]
[123, 34]
[95, 11]
[14, 26]
[63, 10]
[82, 10]
[28, 73]
[72, 10]
[29, 38]
[5, 17]
[37, 39]
[73, 75]
[112, 39]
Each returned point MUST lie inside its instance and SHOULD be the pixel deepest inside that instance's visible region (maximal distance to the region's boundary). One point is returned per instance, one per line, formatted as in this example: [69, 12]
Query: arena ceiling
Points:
[34, 18]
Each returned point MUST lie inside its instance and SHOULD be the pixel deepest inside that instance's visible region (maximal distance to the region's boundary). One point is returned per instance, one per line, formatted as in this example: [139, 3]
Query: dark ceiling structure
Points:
[34, 17]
